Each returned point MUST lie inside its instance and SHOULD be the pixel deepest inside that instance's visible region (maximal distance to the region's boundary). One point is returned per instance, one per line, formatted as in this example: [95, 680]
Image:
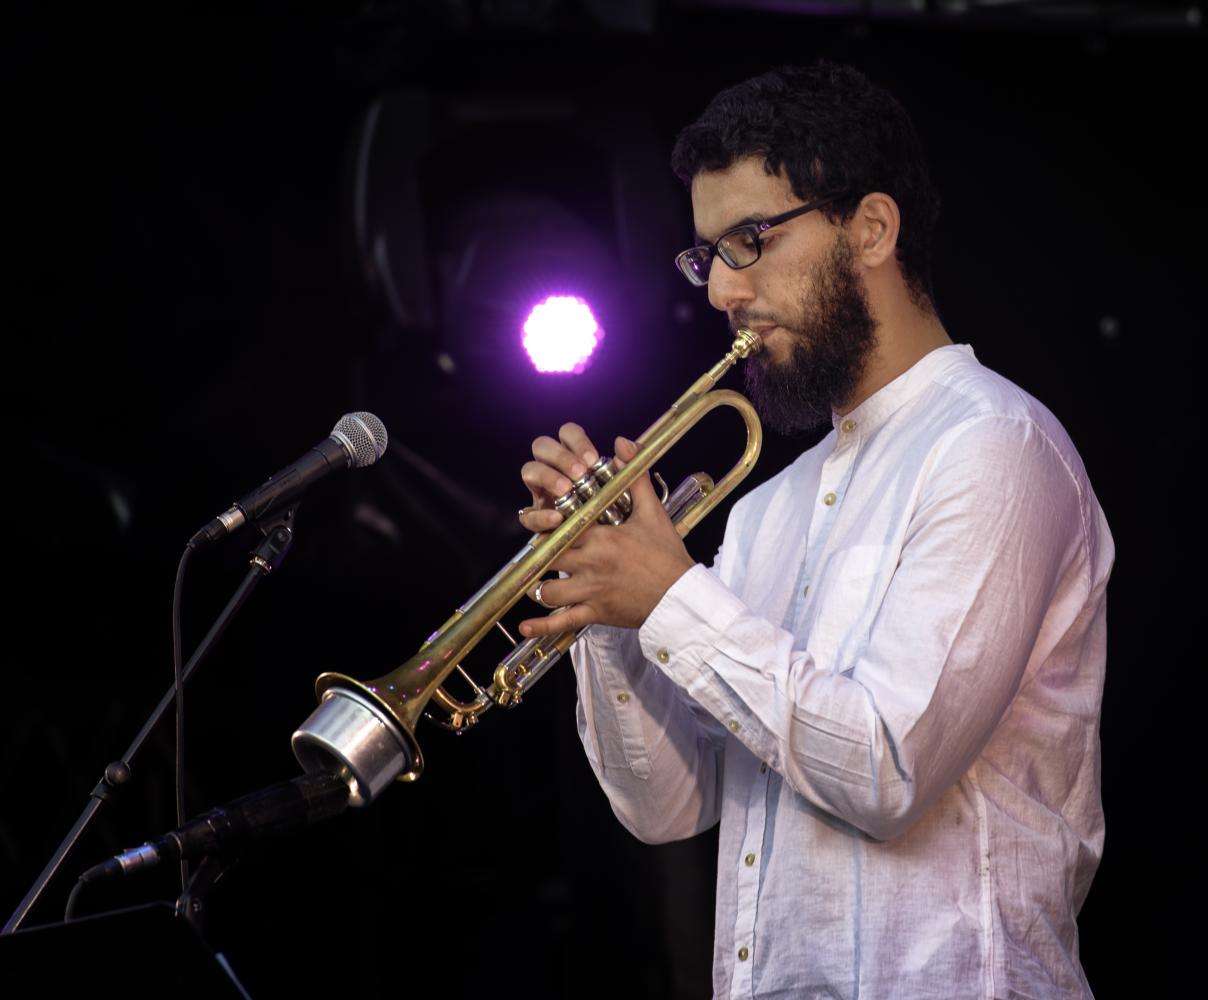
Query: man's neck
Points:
[905, 336]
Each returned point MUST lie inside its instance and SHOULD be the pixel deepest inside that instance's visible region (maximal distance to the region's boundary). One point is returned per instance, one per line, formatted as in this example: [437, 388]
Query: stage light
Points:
[468, 211]
[560, 335]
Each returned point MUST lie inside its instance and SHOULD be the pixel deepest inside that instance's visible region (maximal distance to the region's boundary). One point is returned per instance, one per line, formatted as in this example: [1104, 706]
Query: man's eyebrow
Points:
[748, 220]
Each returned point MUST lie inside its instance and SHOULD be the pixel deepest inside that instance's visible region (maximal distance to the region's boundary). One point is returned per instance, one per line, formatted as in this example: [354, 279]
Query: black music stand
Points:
[142, 953]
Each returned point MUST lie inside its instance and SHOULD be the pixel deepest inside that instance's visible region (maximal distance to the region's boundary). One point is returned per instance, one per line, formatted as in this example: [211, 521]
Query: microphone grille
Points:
[365, 434]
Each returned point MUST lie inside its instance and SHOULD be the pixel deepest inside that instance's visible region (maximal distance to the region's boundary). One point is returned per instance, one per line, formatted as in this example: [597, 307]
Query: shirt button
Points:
[763, 768]
[848, 426]
[663, 656]
[743, 953]
[732, 725]
[829, 499]
[623, 697]
[749, 860]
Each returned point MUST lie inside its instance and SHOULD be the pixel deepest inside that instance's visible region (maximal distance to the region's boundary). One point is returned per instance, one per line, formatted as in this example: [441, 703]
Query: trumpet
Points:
[365, 730]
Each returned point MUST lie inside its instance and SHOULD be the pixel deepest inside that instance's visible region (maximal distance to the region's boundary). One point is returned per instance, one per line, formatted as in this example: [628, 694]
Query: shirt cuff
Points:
[685, 626]
[606, 638]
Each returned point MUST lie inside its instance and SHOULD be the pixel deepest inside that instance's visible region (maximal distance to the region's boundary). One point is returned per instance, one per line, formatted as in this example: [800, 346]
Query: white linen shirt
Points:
[887, 689]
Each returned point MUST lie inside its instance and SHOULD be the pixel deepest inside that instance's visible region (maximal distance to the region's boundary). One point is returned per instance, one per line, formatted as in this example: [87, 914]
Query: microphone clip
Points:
[277, 527]
[191, 904]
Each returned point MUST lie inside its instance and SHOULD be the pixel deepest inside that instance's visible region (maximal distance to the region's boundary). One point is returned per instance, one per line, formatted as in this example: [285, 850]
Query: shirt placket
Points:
[749, 863]
[832, 485]
[836, 473]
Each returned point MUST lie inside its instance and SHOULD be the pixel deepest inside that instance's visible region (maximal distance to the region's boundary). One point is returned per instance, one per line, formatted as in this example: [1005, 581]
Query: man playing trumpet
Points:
[887, 687]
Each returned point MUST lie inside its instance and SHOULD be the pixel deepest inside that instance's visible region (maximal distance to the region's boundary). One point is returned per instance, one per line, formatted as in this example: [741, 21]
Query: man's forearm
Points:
[655, 760]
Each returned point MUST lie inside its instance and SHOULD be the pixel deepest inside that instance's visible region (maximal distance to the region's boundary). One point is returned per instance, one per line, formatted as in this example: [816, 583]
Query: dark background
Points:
[189, 305]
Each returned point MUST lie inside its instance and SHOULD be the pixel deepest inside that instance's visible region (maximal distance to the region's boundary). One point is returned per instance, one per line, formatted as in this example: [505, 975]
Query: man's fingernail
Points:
[591, 458]
[563, 485]
[578, 469]
[526, 629]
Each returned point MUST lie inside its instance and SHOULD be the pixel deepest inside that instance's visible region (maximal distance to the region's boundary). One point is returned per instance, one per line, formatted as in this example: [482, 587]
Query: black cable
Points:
[269, 555]
[72, 899]
[178, 674]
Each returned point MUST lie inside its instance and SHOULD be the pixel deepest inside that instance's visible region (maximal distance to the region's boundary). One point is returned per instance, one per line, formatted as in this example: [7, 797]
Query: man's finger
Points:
[539, 521]
[570, 620]
[543, 479]
[554, 593]
[642, 489]
[582, 555]
[626, 449]
[575, 439]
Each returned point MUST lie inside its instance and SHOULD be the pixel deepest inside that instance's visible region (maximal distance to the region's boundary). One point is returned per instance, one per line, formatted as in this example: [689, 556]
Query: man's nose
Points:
[728, 288]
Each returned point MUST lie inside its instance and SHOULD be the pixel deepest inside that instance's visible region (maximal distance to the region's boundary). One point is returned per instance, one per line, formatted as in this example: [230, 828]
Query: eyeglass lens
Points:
[694, 264]
[738, 248]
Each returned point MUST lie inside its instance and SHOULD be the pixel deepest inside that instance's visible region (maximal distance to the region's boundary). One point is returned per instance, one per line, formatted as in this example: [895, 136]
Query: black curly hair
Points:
[830, 129]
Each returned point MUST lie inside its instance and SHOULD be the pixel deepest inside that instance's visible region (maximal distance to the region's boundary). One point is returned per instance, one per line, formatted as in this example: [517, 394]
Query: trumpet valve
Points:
[605, 470]
[587, 486]
[568, 503]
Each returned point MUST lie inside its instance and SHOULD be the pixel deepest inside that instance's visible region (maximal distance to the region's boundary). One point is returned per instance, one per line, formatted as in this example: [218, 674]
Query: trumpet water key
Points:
[365, 730]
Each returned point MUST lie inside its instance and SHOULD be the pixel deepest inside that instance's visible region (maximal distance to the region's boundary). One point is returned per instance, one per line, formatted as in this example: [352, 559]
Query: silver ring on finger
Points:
[538, 599]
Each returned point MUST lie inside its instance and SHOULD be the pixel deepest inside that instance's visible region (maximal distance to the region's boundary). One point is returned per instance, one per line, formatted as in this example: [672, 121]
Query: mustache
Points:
[741, 317]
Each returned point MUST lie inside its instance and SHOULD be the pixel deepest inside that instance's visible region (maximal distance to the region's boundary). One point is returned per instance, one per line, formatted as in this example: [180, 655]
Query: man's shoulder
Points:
[993, 435]
[986, 389]
[969, 398]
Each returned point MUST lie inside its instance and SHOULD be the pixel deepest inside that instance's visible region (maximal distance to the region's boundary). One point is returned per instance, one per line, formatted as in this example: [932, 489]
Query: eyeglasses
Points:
[739, 247]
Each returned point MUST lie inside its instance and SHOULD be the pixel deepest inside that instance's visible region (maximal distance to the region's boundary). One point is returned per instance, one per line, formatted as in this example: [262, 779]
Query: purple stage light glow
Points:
[560, 334]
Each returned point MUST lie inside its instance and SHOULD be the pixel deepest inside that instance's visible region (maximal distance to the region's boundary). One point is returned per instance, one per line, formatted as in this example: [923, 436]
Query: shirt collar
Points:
[878, 407]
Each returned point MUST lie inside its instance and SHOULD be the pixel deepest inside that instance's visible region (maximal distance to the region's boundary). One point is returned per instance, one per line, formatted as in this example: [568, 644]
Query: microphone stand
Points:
[266, 557]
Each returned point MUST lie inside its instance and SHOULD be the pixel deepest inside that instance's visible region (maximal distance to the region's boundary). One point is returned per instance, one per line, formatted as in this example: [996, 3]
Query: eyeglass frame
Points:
[755, 229]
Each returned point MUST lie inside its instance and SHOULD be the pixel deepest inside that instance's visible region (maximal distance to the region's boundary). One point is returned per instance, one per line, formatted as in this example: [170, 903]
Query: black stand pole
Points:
[268, 555]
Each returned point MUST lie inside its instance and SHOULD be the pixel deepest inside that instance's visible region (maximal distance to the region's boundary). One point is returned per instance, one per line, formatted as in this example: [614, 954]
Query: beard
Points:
[832, 343]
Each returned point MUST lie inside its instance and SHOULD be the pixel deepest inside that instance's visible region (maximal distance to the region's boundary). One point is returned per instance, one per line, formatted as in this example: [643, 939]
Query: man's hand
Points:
[616, 575]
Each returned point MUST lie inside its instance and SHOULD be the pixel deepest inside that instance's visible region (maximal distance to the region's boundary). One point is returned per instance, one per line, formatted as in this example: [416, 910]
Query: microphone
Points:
[357, 440]
[270, 812]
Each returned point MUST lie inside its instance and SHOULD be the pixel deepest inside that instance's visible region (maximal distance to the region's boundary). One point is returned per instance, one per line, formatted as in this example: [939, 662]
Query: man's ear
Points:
[874, 229]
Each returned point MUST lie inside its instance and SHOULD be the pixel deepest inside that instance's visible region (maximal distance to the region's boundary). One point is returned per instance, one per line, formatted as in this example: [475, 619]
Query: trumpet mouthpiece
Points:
[746, 342]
